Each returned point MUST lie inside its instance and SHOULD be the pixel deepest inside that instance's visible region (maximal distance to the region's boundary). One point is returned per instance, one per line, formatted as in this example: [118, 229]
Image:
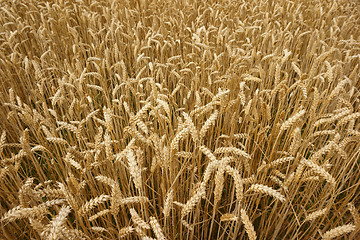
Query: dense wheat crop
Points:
[159, 119]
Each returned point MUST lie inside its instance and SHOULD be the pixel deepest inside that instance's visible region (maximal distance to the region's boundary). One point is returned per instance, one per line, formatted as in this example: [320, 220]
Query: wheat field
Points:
[160, 119]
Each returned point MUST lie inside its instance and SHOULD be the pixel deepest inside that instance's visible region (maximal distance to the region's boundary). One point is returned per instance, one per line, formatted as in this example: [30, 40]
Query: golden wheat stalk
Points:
[168, 203]
[321, 171]
[355, 214]
[134, 170]
[138, 220]
[312, 216]
[228, 217]
[338, 231]
[267, 190]
[194, 200]
[249, 227]
[289, 122]
[157, 229]
[92, 203]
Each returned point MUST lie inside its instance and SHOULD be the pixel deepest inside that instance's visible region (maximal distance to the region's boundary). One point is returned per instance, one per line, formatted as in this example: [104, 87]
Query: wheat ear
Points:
[248, 225]
[267, 190]
[339, 231]
[157, 229]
